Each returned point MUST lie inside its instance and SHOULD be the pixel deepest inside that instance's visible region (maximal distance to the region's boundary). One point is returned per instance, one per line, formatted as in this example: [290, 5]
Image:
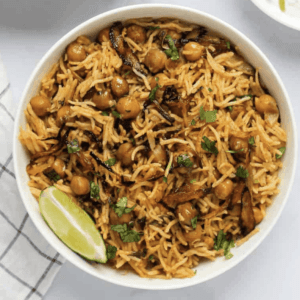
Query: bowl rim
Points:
[60, 250]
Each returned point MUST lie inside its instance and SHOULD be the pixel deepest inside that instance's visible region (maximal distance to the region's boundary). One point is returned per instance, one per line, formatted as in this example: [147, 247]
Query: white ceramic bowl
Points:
[290, 17]
[91, 27]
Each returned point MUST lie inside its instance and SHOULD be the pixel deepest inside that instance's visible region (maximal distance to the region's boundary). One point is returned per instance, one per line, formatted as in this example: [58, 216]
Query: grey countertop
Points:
[29, 27]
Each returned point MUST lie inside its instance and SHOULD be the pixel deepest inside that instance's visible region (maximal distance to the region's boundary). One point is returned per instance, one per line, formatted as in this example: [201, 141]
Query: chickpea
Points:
[40, 105]
[103, 99]
[258, 216]
[174, 34]
[209, 241]
[136, 33]
[159, 79]
[187, 211]
[266, 104]
[224, 189]
[103, 35]
[76, 52]
[236, 110]
[59, 167]
[124, 154]
[119, 86]
[160, 155]
[155, 60]
[114, 218]
[63, 115]
[239, 144]
[80, 185]
[128, 107]
[83, 40]
[193, 235]
[193, 51]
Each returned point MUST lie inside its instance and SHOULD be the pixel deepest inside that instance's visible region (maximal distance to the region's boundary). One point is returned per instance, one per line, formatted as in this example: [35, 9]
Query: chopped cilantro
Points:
[153, 92]
[256, 181]
[52, 175]
[228, 45]
[132, 141]
[151, 257]
[156, 78]
[193, 180]
[127, 235]
[120, 207]
[95, 190]
[241, 172]
[208, 116]
[210, 90]
[230, 108]
[222, 243]
[73, 146]
[194, 222]
[111, 251]
[235, 151]
[165, 179]
[195, 272]
[183, 160]
[282, 150]
[110, 162]
[209, 146]
[193, 122]
[116, 114]
[118, 191]
[172, 52]
[105, 113]
[127, 73]
[251, 141]
[154, 28]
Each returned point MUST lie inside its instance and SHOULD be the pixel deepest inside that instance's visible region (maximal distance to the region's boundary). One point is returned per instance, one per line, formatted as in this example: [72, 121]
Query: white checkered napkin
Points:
[28, 264]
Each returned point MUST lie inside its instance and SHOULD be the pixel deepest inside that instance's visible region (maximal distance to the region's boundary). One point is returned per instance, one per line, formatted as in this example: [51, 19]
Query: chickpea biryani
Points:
[163, 133]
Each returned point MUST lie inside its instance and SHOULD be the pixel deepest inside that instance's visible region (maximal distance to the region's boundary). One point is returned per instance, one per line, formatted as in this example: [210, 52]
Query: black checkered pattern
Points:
[27, 263]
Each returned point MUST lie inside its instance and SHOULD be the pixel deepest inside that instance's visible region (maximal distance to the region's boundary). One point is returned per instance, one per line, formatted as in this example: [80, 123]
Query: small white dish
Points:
[290, 17]
[251, 52]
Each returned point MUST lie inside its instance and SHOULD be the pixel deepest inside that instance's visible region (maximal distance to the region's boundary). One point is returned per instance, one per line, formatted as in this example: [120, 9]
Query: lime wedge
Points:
[72, 224]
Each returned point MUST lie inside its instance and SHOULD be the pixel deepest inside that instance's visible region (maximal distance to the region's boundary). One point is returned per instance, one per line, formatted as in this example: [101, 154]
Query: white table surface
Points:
[29, 27]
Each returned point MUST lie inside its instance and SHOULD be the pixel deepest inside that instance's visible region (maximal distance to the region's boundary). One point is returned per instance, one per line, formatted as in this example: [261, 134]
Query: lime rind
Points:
[72, 225]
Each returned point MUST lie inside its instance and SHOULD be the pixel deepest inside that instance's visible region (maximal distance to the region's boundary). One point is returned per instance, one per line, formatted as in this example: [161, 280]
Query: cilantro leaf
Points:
[193, 122]
[127, 73]
[111, 251]
[52, 175]
[110, 162]
[127, 235]
[235, 151]
[251, 141]
[165, 179]
[222, 243]
[194, 222]
[183, 160]
[116, 114]
[228, 45]
[209, 146]
[208, 116]
[120, 207]
[95, 190]
[132, 141]
[120, 228]
[282, 150]
[230, 108]
[153, 92]
[150, 257]
[241, 172]
[73, 146]
[172, 51]
[154, 28]
[193, 180]
[105, 113]
[210, 90]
